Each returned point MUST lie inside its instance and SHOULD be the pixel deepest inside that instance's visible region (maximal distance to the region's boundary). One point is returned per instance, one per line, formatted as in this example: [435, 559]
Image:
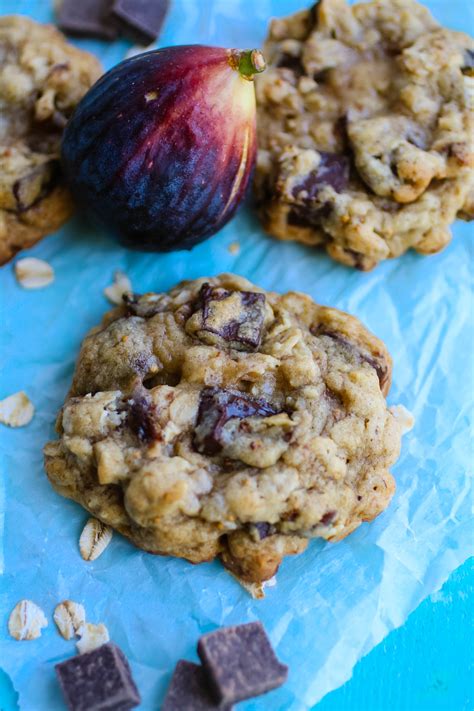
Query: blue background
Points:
[426, 665]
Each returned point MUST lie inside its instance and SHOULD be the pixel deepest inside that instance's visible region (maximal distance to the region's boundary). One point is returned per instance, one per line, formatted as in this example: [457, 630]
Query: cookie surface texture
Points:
[42, 78]
[365, 130]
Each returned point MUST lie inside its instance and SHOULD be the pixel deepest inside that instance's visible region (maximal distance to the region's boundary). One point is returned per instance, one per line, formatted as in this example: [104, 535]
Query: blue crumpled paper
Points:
[332, 604]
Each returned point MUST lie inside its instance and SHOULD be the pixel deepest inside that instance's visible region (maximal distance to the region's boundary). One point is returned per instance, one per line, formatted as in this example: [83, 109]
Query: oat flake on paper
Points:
[333, 603]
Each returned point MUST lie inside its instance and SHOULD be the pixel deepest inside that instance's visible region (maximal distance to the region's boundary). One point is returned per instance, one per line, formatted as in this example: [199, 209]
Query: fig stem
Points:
[248, 62]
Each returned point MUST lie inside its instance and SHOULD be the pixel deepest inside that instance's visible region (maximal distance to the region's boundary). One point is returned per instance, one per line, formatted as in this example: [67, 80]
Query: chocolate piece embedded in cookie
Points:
[233, 317]
[42, 79]
[365, 130]
[189, 690]
[216, 408]
[98, 680]
[191, 446]
[87, 18]
[240, 662]
[141, 20]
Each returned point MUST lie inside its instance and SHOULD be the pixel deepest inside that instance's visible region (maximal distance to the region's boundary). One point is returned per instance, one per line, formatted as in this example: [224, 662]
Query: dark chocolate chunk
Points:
[468, 63]
[379, 364]
[240, 662]
[298, 218]
[141, 416]
[216, 407]
[144, 306]
[328, 518]
[333, 170]
[189, 691]
[241, 325]
[87, 18]
[100, 680]
[262, 530]
[141, 20]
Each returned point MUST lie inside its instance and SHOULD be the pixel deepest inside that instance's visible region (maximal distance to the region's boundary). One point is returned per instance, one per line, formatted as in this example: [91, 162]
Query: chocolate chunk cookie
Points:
[365, 130]
[42, 78]
[220, 419]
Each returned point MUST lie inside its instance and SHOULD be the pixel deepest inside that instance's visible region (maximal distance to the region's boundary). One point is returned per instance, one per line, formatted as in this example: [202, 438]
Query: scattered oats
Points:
[26, 621]
[115, 292]
[256, 590]
[32, 273]
[94, 539]
[234, 247]
[92, 636]
[16, 410]
[70, 618]
[404, 417]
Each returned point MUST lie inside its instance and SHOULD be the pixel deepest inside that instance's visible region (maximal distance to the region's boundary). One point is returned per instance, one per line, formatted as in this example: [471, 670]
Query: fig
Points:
[161, 149]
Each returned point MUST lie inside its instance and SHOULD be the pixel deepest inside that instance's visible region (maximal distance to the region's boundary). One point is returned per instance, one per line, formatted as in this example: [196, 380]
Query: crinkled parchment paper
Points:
[332, 604]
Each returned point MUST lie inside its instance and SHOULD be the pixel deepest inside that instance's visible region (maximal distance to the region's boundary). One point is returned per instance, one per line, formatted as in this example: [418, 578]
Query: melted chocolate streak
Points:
[140, 418]
[216, 408]
[230, 331]
[378, 365]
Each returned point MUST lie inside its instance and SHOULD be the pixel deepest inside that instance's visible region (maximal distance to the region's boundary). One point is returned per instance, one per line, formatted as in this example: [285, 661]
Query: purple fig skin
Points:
[162, 147]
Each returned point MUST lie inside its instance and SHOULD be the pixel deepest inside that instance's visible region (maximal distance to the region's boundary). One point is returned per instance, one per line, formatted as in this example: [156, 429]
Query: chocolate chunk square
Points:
[141, 416]
[100, 680]
[240, 662]
[377, 361]
[87, 18]
[141, 20]
[333, 171]
[236, 317]
[189, 691]
[216, 408]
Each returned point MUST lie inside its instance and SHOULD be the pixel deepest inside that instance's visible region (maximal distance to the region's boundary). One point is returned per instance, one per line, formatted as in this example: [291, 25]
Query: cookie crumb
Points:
[116, 291]
[256, 590]
[26, 621]
[16, 410]
[92, 636]
[70, 618]
[404, 417]
[32, 273]
[234, 248]
[94, 539]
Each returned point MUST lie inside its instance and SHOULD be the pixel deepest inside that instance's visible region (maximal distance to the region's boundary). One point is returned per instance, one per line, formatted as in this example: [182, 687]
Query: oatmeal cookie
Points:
[365, 130]
[220, 419]
[42, 78]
